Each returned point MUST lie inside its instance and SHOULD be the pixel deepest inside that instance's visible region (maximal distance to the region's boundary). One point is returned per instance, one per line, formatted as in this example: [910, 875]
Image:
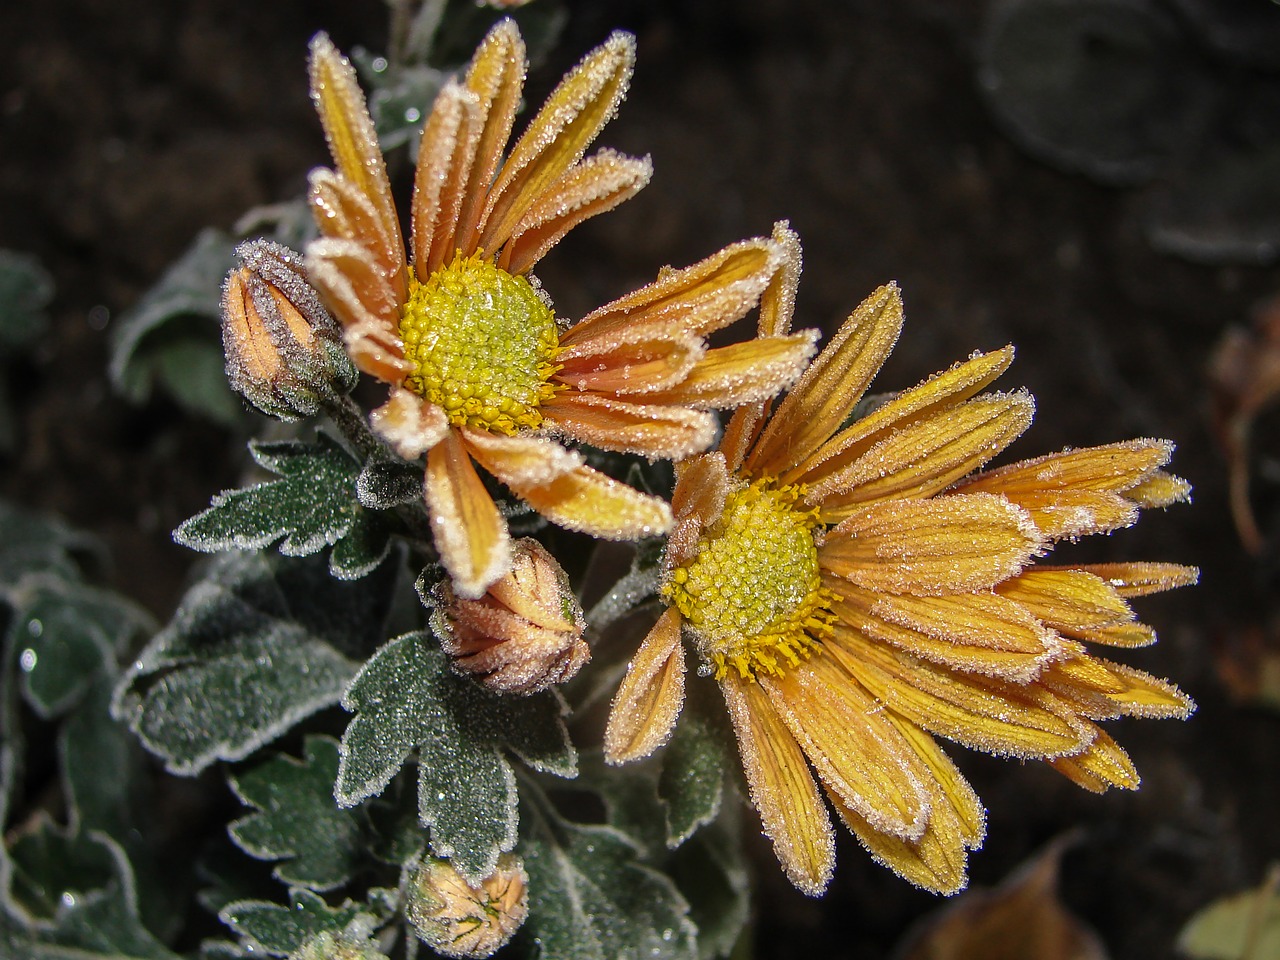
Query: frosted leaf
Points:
[406, 698]
[591, 899]
[280, 930]
[712, 873]
[384, 484]
[255, 646]
[296, 820]
[312, 506]
[693, 770]
[73, 896]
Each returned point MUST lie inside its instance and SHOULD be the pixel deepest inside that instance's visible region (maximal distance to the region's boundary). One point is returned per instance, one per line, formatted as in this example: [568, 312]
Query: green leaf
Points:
[279, 930]
[79, 890]
[68, 634]
[1242, 926]
[384, 484]
[693, 771]
[25, 290]
[313, 506]
[257, 645]
[712, 873]
[591, 899]
[171, 338]
[297, 820]
[406, 697]
[33, 543]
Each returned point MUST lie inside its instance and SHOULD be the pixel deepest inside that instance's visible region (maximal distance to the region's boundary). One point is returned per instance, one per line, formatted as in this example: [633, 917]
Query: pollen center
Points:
[753, 594]
[482, 343]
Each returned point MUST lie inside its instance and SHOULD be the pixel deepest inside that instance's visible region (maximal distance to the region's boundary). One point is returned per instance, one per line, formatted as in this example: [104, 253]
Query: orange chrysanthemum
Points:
[856, 590]
[479, 368]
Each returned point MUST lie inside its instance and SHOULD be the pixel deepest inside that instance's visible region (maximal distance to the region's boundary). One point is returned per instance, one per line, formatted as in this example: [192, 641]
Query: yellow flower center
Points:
[753, 594]
[482, 343]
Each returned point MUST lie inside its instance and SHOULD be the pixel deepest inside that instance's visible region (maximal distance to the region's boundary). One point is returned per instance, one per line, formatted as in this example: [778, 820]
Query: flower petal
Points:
[985, 714]
[1101, 765]
[782, 789]
[559, 135]
[973, 633]
[834, 382]
[696, 300]
[1067, 599]
[446, 154]
[927, 456]
[470, 534]
[948, 544]
[1077, 492]
[351, 135]
[410, 424]
[1103, 690]
[942, 390]
[702, 483]
[656, 432]
[567, 492]
[743, 372]
[857, 755]
[594, 186]
[637, 367]
[342, 211]
[1140, 579]
[496, 78]
[1159, 490]
[649, 698]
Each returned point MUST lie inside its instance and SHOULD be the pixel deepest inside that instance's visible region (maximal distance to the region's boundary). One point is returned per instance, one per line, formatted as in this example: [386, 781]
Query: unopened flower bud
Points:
[338, 946]
[284, 349]
[460, 920]
[524, 634]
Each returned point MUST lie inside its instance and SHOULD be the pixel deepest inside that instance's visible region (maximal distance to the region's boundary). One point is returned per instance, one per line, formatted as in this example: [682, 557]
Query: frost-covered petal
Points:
[470, 534]
[656, 432]
[696, 300]
[782, 789]
[744, 372]
[342, 211]
[927, 456]
[446, 153]
[1103, 764]
[702, 483]
[649, 698]
[570, 493]
[641, 366]
[822, 398]
[585, 100]
[944, 545]
[594, 186]
[410, 424]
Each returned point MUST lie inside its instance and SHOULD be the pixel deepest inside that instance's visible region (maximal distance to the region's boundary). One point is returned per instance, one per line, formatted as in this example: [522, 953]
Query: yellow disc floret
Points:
[753, 594]
[482, 343]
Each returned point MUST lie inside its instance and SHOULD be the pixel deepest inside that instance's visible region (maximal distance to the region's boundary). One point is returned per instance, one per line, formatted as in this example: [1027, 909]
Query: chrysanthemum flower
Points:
[479, 368]
[858, 591]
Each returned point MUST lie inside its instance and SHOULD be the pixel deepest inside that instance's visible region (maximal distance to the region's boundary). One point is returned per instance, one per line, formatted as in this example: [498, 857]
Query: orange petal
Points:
[410, 424]
[347, 271]
[1159, 490]
[341, 210]
[857, 755]
[985, 714]
[1101, 765]
[1140, 579]
[782, 788]
[558, 136]
[942, 390]
[702, 483]
[648, 701]
[973, 633]
[594, 186]
[779, 300]
[656, 432]
[351, 135]
[821, 400]
[948, 544]
[743, 372]
[470, 534]
[1119, 691]
[927, 456]
[559, 486]
[1067, 599]
[693, 301]
[446, 154]
[496, 78]
[638, 367]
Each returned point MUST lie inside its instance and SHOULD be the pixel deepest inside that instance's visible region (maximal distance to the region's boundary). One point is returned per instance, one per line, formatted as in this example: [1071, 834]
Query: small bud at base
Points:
[457, 919]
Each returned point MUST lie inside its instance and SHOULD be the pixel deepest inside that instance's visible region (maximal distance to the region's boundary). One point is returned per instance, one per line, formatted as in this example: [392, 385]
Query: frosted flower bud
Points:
[340, 946]
[457, 919]
[284, 349]
[523, 634]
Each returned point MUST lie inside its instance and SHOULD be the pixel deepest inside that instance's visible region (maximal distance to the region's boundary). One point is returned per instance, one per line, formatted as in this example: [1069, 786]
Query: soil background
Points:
[127, 125]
